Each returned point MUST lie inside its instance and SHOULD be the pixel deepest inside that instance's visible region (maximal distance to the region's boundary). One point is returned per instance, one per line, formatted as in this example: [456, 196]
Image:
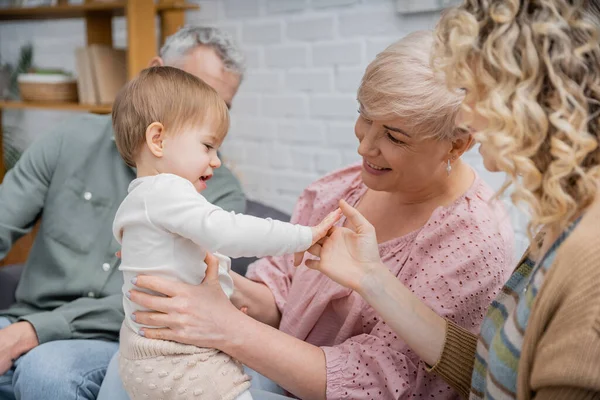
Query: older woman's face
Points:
[395, 159]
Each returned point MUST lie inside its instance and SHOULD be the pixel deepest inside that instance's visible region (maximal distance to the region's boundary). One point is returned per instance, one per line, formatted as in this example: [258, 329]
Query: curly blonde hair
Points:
[532, 69]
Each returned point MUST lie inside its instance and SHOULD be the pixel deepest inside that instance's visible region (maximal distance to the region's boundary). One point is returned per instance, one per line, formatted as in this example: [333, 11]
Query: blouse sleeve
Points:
[379, 365]
[276, 272]
[456, 363]
[459, 264]
[369, 366]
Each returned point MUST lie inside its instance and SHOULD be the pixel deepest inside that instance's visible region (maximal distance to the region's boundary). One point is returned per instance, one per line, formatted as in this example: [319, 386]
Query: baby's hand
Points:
[320, 231]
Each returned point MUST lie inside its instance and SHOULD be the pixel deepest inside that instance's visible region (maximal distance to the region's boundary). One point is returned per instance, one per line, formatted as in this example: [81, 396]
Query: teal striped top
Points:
[502, 331]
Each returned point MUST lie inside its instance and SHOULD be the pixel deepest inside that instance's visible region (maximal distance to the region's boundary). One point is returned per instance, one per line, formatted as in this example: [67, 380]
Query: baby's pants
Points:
[160, 369]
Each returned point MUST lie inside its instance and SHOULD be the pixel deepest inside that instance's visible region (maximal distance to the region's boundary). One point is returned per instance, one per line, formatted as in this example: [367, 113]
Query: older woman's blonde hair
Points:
[400, 83]
[533, 70]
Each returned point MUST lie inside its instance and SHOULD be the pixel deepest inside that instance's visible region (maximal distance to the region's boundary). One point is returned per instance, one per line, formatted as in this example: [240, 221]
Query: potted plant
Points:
[42, 84]
[9, 87]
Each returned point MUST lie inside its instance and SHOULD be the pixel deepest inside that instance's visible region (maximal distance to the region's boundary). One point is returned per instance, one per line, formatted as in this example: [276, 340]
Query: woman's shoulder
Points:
[474, 224]
[475, 207]
[479, 206]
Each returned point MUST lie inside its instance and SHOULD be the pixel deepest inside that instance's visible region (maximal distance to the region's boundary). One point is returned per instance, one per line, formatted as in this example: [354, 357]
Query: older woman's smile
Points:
[374, 169]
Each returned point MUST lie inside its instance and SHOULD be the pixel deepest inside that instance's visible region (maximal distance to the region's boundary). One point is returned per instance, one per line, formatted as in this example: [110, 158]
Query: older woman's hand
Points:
[347, 255]
[191, 314]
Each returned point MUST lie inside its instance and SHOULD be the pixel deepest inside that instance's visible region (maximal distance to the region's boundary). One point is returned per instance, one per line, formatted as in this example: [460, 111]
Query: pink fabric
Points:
[456, 263]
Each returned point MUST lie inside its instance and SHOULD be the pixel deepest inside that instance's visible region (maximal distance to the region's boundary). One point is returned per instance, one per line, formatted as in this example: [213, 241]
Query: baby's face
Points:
[192, 154]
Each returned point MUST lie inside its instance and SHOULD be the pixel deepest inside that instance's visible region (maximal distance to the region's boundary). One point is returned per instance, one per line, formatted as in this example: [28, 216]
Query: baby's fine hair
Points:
[171, 96]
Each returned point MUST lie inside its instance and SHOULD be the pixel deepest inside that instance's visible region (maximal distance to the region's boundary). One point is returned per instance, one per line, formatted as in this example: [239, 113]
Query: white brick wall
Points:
[287, 56]
[311, 29]
[262, 33]
[333, 54]
[293, 118]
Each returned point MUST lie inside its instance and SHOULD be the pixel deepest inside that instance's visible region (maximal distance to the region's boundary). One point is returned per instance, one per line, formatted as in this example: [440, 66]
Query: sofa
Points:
[9, 275]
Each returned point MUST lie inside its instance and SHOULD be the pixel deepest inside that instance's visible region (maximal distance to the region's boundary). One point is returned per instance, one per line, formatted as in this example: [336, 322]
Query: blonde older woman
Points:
[532, 73]
[437, 233]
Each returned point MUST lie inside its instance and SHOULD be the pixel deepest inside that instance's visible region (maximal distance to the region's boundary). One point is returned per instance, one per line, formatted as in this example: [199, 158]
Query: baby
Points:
[169, 124]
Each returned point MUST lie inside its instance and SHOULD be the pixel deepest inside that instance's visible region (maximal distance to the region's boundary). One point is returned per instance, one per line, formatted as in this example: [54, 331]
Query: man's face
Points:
[204, 62]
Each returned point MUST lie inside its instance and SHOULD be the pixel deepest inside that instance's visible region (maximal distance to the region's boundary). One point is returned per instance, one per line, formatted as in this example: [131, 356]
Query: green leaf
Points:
[24, 64]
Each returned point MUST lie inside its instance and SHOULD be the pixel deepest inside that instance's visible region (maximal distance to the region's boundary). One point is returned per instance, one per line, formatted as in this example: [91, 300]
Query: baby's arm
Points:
[181, 210]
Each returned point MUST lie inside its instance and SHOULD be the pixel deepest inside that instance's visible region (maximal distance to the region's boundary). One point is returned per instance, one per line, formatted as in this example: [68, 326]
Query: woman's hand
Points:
[351, 258]
[346, 255]
[203, 316]
[196, 315]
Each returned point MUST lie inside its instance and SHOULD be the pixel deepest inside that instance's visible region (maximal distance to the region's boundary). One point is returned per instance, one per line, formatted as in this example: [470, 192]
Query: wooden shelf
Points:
[61, 11]
[142, 43]
[176, 5]
[28, 105]
[115, 8]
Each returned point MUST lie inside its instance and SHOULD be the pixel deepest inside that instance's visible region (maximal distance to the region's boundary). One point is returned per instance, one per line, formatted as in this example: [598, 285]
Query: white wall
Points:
[292, 120]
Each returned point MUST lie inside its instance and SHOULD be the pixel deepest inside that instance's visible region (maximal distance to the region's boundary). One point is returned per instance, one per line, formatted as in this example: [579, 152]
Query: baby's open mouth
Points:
[205, 177]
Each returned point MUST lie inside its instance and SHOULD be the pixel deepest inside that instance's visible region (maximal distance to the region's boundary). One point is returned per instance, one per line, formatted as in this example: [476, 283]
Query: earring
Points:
[448, 168]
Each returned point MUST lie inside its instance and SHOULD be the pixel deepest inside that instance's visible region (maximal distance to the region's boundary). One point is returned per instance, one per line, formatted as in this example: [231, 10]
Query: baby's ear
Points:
[155, 134]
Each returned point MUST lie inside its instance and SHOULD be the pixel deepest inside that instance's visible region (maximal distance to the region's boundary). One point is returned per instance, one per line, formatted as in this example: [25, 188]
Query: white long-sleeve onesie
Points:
[166, 227]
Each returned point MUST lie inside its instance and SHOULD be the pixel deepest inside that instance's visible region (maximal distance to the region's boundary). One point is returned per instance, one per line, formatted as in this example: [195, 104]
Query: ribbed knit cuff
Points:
[455, 365]
[135, 347]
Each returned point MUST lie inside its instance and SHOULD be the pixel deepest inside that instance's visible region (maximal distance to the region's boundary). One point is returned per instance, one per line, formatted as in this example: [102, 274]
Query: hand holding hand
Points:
[320, 231]
[346, 255]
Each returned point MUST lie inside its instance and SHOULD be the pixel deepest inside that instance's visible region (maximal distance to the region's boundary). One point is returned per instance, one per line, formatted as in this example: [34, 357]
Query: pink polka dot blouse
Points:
[456, 263]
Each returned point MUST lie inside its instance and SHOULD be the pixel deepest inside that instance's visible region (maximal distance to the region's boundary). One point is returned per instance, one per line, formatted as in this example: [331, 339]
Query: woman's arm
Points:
[257, 298]
[421, 328]
[203, 316]
[295, 365]
[351, 258]
[442, 344]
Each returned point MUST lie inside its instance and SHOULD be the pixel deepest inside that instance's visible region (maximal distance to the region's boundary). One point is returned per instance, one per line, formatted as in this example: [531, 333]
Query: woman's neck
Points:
[442, 192]
[397, 214]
